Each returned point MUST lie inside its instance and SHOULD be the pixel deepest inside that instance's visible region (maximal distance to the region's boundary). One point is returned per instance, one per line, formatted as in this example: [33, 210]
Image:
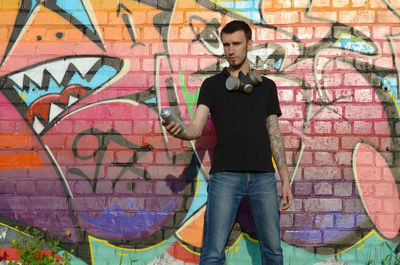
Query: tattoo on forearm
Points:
[276, 141]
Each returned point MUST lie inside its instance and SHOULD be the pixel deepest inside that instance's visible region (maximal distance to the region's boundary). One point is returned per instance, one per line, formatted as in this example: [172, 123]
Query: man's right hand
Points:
[172, 128]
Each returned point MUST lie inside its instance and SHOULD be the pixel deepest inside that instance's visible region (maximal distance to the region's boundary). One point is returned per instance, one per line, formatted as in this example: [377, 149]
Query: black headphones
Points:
[243, 83]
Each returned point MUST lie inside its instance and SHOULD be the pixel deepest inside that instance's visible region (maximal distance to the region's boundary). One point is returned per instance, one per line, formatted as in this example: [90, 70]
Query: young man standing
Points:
[248, 135]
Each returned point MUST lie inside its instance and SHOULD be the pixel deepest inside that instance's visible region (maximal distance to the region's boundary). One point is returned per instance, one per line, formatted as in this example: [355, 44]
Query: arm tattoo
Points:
[276, 142]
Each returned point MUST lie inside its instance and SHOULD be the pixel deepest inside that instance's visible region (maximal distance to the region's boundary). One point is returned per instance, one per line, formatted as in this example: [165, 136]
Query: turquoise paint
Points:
[105, 254]
[77, 10]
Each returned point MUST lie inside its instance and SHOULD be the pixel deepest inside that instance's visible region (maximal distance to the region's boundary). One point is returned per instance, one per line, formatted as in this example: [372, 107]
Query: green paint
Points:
[191, 99]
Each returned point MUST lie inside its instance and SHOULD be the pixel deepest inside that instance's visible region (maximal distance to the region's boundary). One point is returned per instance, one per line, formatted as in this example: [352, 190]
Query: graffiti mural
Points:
[83, 152]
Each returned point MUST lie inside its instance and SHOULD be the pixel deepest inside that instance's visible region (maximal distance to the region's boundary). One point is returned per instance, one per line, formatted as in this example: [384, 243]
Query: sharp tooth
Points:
[58, 69]
[54, 111]
[37, 125]
[36, 74]
[72, 100]
[84, 64]
[18, 79]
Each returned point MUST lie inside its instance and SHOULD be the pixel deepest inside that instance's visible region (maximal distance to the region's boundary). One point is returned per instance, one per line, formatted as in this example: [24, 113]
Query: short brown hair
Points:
[236, 25]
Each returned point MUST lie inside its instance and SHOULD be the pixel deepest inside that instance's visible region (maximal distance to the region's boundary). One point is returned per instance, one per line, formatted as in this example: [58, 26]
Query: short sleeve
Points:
[205, 95]
[273, 106]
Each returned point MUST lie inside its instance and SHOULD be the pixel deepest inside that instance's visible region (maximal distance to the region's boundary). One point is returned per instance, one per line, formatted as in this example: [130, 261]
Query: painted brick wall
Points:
[84, 159]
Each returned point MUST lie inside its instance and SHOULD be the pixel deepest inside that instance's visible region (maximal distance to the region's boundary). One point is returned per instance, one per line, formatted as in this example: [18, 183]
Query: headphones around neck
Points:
[243, 83]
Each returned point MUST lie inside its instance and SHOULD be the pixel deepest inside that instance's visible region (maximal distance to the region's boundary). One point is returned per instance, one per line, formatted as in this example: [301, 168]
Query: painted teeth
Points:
[37, 125]
[71, 100]
[54, 111]
[57, 69]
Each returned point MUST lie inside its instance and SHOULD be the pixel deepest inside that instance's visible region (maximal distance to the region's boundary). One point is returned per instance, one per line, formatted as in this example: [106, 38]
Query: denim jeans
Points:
[225, 192]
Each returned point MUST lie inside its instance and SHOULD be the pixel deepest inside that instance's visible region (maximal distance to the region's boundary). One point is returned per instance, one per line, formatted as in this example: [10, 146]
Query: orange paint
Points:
[369, 180]
[191, 232]
[16, 161]
[15, 140]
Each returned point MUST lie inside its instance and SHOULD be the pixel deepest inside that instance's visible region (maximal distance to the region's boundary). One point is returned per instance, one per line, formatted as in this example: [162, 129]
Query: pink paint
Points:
[371, 174]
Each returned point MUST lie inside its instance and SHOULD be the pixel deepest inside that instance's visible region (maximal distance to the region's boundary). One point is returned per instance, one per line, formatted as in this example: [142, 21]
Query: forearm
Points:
[277, 148]
[191, 133]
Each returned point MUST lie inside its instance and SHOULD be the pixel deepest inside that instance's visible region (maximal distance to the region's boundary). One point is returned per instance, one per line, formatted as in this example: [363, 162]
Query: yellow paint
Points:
[15, 229]
[23, 96]
[236, 249]
[360, 247]
[395, 102]
[122, 254]
[353, 38]
[188, 249]
[224, 7]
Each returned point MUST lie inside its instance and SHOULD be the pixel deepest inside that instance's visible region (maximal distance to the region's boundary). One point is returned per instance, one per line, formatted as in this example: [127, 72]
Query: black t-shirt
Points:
[240, 123]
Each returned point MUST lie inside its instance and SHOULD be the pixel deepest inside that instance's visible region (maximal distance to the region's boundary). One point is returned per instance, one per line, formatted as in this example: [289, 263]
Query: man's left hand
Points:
[287, 196]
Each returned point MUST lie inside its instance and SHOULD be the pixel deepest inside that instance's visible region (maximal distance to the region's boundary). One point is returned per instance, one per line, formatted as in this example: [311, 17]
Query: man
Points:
[248, 134]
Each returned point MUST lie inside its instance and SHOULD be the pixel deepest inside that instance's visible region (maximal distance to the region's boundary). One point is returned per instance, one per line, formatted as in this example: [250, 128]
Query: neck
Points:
[244, 68]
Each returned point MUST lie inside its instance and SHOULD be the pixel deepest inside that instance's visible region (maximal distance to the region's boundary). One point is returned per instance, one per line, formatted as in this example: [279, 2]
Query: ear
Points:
[249, 45]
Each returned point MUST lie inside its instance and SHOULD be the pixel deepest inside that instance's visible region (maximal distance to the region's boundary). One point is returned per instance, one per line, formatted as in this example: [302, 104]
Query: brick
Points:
[323, 188]
[49, 203]
[324, 159]
[264, 34]
[318, 205]
[385, 189]
[363, 95]
[24, 187]
[362, 127]
[353, 205]
[322, 127]
[48, 187]
[282, 17]
[305, 33]
[301, 188]
[321, 173]
[341, 3]
[357, 16]
[363, 112]
[7, 187]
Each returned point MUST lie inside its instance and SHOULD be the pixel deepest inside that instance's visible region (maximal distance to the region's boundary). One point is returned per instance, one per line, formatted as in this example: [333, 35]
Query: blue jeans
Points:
[225, 192]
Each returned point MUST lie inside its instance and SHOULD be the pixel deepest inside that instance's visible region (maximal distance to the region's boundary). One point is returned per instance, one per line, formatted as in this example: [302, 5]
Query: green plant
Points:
[36, 251]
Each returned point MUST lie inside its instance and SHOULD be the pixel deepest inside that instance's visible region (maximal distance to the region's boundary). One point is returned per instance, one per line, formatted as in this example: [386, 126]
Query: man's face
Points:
[235, 47]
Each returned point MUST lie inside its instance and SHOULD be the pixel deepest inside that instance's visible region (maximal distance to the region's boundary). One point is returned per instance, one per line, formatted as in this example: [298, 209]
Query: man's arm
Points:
[278, 153]
[194, 128]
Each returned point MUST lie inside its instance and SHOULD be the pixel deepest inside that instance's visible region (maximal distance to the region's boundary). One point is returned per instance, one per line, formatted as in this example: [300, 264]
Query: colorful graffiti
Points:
[82, 149]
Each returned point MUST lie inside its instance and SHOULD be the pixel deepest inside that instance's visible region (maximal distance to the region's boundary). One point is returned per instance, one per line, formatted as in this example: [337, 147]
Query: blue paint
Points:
[390, 83]
[115, 221]
[34, 92]
[249, 9]
[332, 226]
[277, 64]
[151, 101]
[77, 10]
[104, 74]
[352, 43]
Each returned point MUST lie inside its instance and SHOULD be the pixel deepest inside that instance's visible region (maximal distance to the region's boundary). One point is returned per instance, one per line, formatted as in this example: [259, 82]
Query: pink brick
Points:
[363, 112]
[363, 127]
[363, 95]
[324, 159]
[264, 34]
[143, 126]
[325, 143]
[285, 95]
[321, 127]
[385, 189]
[178, 48]
[342, 127]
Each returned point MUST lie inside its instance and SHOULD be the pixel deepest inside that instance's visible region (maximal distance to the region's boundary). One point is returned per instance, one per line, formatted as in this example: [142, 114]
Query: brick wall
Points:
[83, 156]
